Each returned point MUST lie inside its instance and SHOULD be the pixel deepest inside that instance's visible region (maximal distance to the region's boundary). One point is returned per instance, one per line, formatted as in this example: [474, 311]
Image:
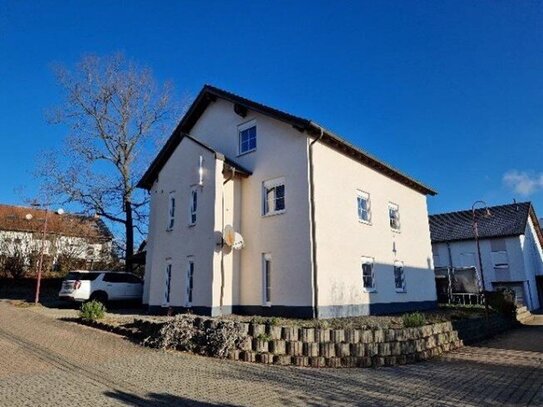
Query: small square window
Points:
[363, 206]
[394, 216]
[247, 139]
[368, 276]
[399, 277]
[274, 197]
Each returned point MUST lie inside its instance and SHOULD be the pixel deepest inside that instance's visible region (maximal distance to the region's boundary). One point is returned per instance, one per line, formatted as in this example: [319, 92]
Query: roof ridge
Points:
[489, 207]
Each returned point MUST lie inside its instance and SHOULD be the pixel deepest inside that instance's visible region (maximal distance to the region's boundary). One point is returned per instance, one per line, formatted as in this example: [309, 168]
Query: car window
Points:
[121, 278]
[82, 276]
[132, 278]
[114, 278]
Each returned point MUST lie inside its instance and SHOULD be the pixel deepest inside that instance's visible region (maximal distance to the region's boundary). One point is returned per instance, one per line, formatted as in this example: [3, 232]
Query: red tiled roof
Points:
[14, 218]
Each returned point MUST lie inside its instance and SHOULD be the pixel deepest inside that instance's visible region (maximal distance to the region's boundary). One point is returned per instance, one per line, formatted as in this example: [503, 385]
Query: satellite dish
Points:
[229, 235]
[239, 243]
[233, 238]
[28, 216]
[60, 211]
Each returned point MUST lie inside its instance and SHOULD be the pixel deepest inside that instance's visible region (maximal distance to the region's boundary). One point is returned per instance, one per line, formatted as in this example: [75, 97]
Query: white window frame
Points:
[266, 279]
[396, 207]
[190, 282]
[171, 211]
[361, 195]
[267, 186]
[403, 289]
[243, 127]
[499, 265]
[368, 260]
[167, 284]
[193, 206]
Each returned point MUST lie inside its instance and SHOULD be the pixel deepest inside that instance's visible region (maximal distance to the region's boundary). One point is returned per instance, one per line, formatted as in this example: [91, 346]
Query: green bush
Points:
[413, 320]
[92, 311]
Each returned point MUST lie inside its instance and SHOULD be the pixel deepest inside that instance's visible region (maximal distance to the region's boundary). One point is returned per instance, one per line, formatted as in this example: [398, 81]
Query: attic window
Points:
[247, 137]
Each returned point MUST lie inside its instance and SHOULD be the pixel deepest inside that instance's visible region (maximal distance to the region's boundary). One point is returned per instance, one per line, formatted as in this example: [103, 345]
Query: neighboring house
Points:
[510, 241]
[329, 230]
[69, 239]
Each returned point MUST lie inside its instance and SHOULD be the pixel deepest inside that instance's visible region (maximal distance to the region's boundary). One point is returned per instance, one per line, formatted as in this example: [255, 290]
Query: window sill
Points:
[267, 215]
[396, 230]
[169, 229]
[267, 304]
[365, 222]
[246, 152]
[191, 225]
[369, 290]
[401, 290]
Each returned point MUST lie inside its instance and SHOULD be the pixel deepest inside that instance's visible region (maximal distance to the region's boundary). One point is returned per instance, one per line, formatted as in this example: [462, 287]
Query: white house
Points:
[70, 240]
[510, 242]
[328, 229]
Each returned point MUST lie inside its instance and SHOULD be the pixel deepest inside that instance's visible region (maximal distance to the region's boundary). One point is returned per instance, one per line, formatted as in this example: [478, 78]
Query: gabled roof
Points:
[209, 94]
[504, 221]
[14, 219]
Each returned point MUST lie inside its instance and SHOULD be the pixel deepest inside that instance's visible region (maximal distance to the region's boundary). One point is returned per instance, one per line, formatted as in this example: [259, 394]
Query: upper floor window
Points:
[368, 276]
[171, 211]
[274, 197]
[399, 277]
[498, 253]
[193, 205]
[363, 205]
[247, 137]
[394, 216]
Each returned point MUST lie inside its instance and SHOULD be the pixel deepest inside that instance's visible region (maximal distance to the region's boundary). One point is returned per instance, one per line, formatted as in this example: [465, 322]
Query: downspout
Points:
[313, 232]
[221, 302]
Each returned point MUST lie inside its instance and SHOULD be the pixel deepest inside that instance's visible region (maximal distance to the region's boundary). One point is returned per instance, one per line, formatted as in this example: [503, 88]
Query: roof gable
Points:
[209, 94]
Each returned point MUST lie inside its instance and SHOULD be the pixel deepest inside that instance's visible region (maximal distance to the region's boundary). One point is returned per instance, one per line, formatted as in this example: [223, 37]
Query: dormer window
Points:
[247, 137]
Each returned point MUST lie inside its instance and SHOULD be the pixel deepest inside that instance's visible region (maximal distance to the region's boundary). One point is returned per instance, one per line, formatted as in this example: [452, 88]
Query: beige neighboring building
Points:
[328, 229]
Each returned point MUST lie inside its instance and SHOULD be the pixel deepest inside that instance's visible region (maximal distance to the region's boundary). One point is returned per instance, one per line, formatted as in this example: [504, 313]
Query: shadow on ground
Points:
[157, 399]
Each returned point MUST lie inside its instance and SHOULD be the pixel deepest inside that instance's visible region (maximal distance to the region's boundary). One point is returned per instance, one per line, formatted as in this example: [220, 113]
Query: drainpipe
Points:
[221, 302]
[313, 232]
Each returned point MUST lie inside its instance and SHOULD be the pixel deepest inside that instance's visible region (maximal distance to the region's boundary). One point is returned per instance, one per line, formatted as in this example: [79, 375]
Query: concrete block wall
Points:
[323, 347]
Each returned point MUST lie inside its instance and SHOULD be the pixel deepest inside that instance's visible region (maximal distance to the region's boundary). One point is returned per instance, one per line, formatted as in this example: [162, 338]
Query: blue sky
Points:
[449, 92]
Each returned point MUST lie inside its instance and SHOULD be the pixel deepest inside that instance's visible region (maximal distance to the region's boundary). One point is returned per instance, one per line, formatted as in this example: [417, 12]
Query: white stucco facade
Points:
[279, 271]
[524, 259]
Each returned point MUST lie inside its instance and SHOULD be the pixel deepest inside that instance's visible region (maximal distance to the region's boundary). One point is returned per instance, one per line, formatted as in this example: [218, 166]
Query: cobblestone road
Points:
[47, 362]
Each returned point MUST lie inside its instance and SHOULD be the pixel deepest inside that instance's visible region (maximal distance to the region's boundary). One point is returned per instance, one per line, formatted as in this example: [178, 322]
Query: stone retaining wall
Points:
[321, 347]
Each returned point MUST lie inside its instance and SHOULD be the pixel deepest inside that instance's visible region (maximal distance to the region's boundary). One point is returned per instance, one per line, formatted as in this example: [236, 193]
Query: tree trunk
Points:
[129, 229]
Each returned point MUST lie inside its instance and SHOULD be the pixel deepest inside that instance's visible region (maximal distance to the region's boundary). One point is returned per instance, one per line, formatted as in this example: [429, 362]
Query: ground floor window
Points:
[190, 282]
[368, 276]
[266, 279]
[167, 284]
[399, 277]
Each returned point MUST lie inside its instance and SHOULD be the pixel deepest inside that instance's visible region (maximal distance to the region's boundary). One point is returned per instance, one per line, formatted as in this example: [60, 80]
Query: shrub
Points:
[502, 301]
[92, 311]
[181, 333]
[174, 334]
[226, 337]
[413, 320]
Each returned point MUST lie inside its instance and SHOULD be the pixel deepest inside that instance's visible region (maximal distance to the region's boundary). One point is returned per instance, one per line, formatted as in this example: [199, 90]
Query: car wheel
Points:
[99, 296]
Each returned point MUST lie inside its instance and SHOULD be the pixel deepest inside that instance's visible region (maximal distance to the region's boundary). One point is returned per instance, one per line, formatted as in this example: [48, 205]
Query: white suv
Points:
[103, 286]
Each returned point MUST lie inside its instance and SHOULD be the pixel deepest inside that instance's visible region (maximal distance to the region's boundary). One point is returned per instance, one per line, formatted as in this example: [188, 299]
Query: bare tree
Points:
[115, 111]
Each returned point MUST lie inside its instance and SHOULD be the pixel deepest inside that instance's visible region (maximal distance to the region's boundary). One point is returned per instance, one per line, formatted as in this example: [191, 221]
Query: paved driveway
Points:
[48, 362]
